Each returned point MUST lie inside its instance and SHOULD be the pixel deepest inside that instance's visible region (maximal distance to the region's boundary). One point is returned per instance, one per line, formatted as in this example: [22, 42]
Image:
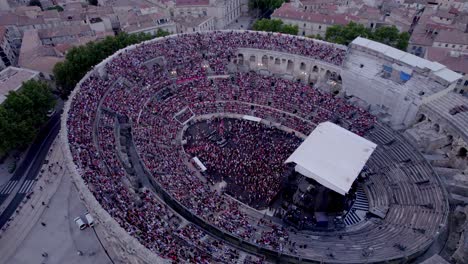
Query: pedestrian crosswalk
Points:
[8, 188]
[27, 186]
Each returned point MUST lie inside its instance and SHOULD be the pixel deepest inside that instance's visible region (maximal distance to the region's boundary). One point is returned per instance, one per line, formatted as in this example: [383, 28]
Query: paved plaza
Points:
[43, 231]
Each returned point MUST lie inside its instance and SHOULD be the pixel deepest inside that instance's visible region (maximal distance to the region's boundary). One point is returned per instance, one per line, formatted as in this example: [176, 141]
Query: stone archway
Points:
[421, 118]
[302, 67]
[265, 60]
[290, 65]
[240, 58]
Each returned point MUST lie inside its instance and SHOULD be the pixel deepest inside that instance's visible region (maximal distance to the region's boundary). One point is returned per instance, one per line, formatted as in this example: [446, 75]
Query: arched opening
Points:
[421, 118]
[277, 61]
[327, 75]
[290, 65]
[315, 69]
[240, 58]
[265, 60]
[462, 153]
[303, 66]
[436, 128]
[252, 58]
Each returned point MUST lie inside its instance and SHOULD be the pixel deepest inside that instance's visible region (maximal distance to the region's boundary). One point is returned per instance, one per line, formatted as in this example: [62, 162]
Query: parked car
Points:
[79, 222]
[89, 219]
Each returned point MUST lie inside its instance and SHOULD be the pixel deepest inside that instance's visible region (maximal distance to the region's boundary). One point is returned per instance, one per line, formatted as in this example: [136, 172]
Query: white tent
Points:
[199, 163]
[333, 156]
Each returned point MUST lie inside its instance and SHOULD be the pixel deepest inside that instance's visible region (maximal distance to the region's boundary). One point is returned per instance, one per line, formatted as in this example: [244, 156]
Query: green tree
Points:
[388, 35]
[22, 114]
[57, 7]
[403, 41]
[266, 7]
[345, 34]
[35, 3]
[162, 33]
[79, 60]
[318, 36]
[289, 29]
[275, 25]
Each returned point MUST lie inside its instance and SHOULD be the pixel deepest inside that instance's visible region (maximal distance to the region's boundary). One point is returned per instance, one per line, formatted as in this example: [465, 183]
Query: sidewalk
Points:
[44, 223]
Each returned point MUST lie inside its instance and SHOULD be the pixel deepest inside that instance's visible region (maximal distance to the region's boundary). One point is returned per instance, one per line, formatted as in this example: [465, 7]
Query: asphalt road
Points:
[32, 163]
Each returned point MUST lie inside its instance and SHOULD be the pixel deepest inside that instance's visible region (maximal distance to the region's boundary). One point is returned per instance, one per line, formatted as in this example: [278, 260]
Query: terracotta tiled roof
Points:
[192, 2]
[454, 37]
[452, 59]
[287, 11]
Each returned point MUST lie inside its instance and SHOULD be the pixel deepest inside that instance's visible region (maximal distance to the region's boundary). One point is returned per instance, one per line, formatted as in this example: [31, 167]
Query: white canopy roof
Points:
[333, 156]
[437, 69]
[199, 163]
[251, 118]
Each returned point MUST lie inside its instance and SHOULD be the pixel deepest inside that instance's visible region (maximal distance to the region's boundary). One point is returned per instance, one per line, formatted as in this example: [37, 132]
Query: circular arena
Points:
[240, 102]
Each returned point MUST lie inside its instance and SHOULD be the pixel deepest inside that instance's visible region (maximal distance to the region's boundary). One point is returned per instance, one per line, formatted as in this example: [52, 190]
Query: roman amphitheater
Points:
[160, 136]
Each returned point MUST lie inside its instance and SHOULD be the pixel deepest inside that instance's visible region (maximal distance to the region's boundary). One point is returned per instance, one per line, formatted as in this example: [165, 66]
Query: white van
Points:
[80, 223]
[89, 219]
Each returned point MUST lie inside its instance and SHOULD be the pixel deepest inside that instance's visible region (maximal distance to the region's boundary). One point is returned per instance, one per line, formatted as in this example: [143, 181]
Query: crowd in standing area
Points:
[248, 156]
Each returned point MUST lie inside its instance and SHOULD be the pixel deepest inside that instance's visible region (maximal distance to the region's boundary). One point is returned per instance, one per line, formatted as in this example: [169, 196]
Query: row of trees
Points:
[23, 113]
[275, 25]
[79, 60]
[340, 34]
[388, 35]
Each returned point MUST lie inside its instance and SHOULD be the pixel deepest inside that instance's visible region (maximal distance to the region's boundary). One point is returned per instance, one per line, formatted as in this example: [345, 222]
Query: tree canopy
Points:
[35, 3]
[22, 114]
[79, 60]
[275, 25]
[57, 7]
[386, 34]
[266, 7]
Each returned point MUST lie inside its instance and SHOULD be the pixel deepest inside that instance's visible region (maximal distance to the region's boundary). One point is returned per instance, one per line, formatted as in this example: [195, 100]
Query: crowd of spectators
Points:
[149, 96]
[248, 156]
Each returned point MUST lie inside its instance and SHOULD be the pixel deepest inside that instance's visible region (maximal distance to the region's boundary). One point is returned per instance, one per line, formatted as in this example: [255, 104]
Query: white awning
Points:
[199, 163]
[333, 156]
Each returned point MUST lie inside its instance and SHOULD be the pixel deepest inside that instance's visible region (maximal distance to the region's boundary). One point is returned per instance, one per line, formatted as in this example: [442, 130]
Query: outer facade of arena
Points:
[156, 87]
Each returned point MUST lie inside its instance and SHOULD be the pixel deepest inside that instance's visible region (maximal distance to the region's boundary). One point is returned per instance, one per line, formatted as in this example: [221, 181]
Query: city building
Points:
[12, 78]
[8, 56]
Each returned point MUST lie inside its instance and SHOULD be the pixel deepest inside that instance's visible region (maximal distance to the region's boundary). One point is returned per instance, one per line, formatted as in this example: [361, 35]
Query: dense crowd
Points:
[136, 87]
[248, 156]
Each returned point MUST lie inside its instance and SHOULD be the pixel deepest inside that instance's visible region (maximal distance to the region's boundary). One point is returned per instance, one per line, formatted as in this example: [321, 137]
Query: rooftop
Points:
[192, 2]
[455, 60]
[453, 37]
[64, 31]
[12, 78]
[191, 21]
[436, 68]
[290, 12]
